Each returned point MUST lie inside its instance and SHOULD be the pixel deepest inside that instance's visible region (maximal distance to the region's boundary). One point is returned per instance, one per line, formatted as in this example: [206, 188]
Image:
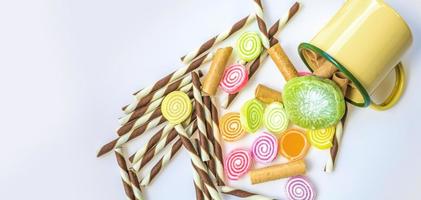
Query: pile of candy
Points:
[308, 112]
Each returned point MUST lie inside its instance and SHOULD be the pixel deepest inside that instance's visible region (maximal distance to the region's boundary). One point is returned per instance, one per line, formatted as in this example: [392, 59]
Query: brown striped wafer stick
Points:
[261, 23]
[200, 115]
[198, 164]
[176, 85]
[162, 144]
[255, 65]
[173, 76]
[124, 173]
[333, 153]
[217, 143]
[243, 194]
[135, 185]
[205, 193]
[130, 136]
[218, 38]
[166, 158]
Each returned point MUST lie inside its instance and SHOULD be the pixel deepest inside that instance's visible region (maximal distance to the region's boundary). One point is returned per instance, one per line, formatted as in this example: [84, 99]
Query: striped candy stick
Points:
[162, 144]
[333, 153]
[218, 38]
[205, 193]
[261, 23]
[166, 158]
[198, 164]
[124, 173]
[176, 85]
[243, 194]
[173, 76]
[255, 65]
[200, 115]
[118, 142]
[217, 143]
[135, 185]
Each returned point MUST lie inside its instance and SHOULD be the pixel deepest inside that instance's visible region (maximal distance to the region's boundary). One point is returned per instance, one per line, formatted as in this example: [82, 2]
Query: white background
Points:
[68, 66]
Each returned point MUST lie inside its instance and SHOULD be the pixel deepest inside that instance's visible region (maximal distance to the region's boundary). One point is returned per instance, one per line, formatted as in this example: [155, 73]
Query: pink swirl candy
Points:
[300, 188]
[237, 163]
[265, 148]
[234, 79]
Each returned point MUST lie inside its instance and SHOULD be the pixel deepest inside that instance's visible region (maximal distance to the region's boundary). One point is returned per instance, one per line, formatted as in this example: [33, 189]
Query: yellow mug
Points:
[365, 41]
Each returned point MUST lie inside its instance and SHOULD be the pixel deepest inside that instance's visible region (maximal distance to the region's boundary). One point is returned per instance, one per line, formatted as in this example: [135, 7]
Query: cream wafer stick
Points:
[218, 38]
[135, 185]
[124, 173]
[173, 76]
[277, 171]
[261, 23]
[243, 194]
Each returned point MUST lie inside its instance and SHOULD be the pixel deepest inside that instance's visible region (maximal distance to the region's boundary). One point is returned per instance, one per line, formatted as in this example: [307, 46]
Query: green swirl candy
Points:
[249, 46]
[313, 103]
[251, 115]
[275, 118]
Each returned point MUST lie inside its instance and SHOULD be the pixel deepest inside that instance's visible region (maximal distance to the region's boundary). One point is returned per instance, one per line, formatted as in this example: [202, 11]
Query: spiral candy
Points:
[265, 148]
[230, 127]
[237, 163]
[234, 79]
[275, 118]
[321, 138]
[251, 115]
[176, 107]
[300, 188]
[249, 46]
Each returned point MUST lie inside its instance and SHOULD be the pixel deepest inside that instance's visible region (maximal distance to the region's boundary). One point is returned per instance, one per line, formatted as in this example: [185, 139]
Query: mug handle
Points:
[396, 93]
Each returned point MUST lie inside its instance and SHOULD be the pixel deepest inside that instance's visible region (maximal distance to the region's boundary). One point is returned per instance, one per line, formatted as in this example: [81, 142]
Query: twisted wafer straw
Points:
[255, 65]
[162, 144]
[217, 143]
[333, 153]
[218, 38]
[208, 116]
[130, 136]
[173, 76]
[200, 115]
[166, 158]
[261, 23]
[205, 193]
[127, 128]
[138, 103]
[124, 173]
[198, 164]
[243, 194]
[135, 185]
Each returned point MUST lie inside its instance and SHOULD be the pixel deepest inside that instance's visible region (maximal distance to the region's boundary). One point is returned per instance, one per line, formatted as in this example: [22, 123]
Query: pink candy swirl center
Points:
[234, 79]
[265, 148]
[237, 163]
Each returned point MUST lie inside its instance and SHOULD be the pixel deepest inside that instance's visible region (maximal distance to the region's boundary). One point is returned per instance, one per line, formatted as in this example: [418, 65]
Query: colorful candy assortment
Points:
[234, 79]
[230, 127]
[300, 188]
[237, 163]
[265, 148]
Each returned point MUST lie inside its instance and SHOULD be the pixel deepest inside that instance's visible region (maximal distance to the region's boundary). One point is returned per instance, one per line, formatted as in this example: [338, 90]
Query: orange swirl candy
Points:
[293, 144]
[230, 127]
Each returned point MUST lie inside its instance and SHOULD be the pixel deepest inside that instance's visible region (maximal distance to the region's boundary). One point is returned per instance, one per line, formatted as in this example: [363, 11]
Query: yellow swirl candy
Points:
[230, 127]
[321, 138]
[176, 107]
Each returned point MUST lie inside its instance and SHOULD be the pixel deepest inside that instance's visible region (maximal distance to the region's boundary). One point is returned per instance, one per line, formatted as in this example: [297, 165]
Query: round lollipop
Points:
[299, 188]
[321, 138]
[251, 115]
[234, 79]
[249, 46]
[293, 144]
[275, 118]
[265, 148]
[237, 163]
[313, 103]
[230, 127]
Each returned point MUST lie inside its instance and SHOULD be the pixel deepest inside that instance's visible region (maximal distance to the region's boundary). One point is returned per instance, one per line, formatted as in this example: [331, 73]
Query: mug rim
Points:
[307, 46]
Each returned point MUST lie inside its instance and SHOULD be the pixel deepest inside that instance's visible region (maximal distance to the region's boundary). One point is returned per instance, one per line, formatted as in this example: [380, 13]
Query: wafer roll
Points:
[135, 185]
[278, 171]
[282, 61]
[216, 70]
[261, 22]
[326, 70]
[340, 79]
[124, 173]
[267, 95]
[243, 194]
[337, 140]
